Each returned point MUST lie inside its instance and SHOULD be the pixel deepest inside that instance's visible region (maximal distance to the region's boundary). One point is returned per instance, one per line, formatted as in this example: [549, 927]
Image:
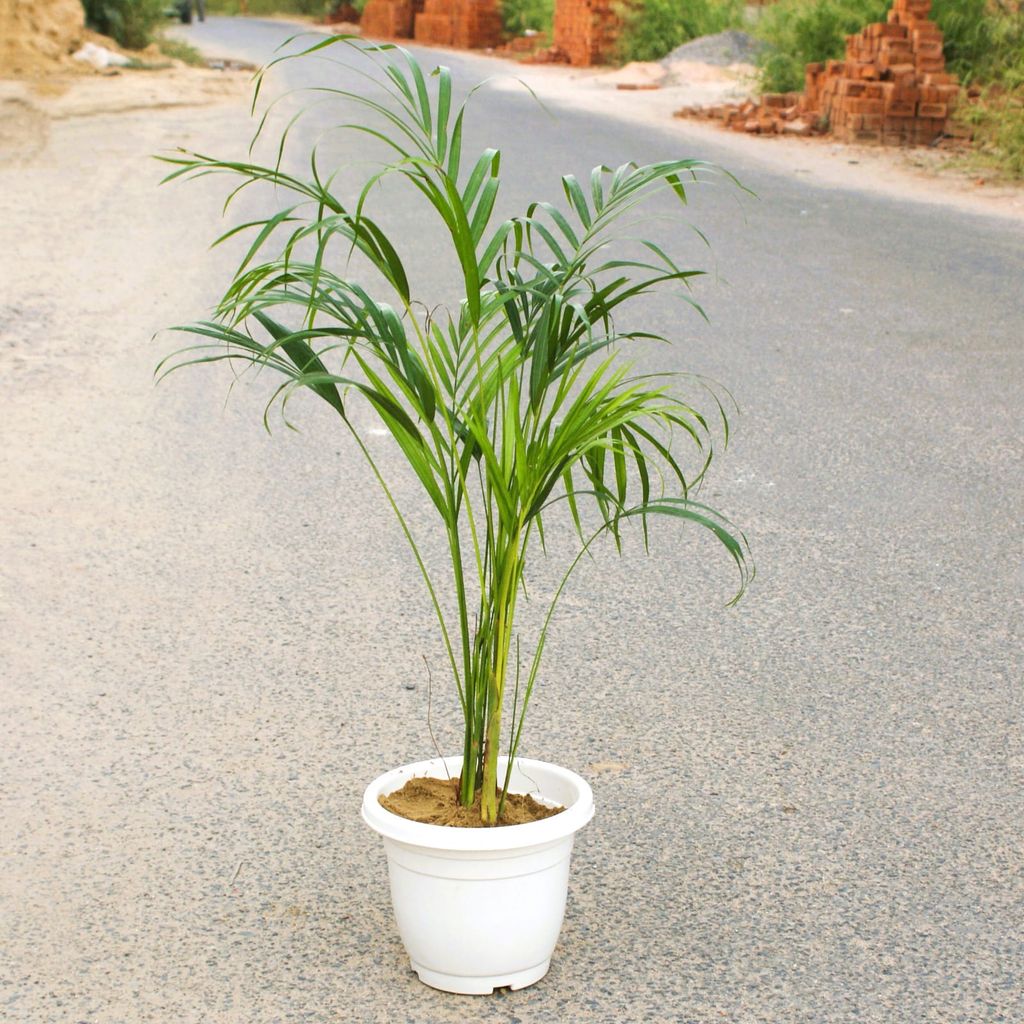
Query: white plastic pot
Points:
[481, 908]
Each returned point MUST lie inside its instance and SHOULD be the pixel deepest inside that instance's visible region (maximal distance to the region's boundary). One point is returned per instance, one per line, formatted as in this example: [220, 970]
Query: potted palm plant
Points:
[510, 408]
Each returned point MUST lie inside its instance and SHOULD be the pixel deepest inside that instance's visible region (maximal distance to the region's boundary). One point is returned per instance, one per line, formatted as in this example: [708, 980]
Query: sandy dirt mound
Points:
[37, 36]
[688, 72]
[706, 79]
[636, 74]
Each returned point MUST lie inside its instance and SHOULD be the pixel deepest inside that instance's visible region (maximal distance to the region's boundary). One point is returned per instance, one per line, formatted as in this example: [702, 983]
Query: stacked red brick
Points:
[468, 24]
[892, 87]
[478, 24]
[586, 30]
[389, 19]
[434, 25]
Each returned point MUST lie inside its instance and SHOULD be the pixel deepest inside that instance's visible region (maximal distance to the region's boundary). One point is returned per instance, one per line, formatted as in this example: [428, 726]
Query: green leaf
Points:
[575, 195]
[444, 104]
[304, 358]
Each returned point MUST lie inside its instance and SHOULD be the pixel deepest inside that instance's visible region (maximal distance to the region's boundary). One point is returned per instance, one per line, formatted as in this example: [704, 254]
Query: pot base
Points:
[480, 986]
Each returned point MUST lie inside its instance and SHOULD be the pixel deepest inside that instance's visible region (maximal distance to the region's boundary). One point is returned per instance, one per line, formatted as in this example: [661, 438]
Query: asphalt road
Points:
[809, 807]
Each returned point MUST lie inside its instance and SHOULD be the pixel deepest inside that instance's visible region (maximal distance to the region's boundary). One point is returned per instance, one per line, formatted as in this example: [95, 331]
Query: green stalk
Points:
[505, 600]
[489, 789]
[467, 707]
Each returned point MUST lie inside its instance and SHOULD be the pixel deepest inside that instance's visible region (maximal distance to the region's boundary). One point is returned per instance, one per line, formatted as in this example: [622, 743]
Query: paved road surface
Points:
[809, 808]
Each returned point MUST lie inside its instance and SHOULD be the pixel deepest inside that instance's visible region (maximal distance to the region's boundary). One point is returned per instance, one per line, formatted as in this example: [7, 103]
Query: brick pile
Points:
[467, 24]
[390, 19]
[478, 24]
[776, 113]
[586, 31]
[434, 25]
[892, 88]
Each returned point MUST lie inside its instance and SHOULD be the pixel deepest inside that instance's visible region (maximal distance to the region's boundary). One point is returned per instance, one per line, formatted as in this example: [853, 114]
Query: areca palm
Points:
[514, 405]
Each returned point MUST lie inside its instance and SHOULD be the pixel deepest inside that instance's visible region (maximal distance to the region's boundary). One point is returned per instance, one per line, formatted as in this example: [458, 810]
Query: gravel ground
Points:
[723, 49]
[809, 807]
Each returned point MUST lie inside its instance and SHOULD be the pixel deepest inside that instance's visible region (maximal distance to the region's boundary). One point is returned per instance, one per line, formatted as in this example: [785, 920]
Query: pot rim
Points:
[505, 837]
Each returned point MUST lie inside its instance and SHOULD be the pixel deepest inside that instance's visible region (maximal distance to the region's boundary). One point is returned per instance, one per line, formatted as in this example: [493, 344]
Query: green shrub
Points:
[652, 28]
[130, 22]
[178, 49]
[314, 8]
[985, 47]
[801, 31]
[969, 34]
[981, 44]
[520, 15]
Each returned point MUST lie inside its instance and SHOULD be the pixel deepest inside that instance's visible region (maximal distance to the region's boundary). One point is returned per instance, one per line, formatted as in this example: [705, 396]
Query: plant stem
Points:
[508, 569]
[489, 790]
[470, 757]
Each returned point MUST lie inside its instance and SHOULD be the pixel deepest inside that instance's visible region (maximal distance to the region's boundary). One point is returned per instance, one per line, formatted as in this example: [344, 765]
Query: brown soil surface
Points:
[436, 802]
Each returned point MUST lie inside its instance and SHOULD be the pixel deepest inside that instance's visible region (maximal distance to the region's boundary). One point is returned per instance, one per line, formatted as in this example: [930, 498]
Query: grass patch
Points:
[987, 52]
[178, 49]
[996, 118]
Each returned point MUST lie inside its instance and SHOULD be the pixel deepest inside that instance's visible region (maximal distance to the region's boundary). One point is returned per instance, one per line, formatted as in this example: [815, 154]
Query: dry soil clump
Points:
[436, 802]
[39, 36]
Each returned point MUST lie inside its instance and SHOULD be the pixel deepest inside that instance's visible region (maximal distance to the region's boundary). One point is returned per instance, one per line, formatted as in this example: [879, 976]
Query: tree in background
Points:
[130, 22]
[519, 16]
[653, 28]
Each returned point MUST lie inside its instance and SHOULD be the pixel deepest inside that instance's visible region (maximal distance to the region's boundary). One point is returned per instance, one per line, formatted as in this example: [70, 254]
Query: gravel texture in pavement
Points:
[809, 807]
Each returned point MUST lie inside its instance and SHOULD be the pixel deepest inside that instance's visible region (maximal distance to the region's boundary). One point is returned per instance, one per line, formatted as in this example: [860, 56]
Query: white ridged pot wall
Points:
[481, 908]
